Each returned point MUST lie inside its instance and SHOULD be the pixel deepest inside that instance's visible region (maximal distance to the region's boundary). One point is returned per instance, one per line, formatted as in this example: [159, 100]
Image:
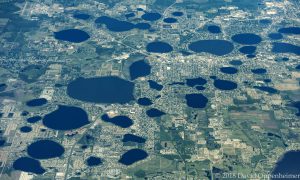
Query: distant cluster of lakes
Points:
[115, 90]
[218, 47]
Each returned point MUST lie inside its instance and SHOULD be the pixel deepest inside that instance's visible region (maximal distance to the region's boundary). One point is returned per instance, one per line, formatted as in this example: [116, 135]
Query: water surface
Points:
[27, 164]
[248, 49]
[215, 47]
[115, 25]
[246, 38]
[159, 47]
[170, 20]
[226, 85]
[214, 29]
[121, 121]
[93, 161]
[26, 129]
[259, 71]
[290, 30]
[279, 47]
[34, 119]
[153, 112]
[275, 36]
[151, 16]
[196, 81]
[133, 138]
[107, 90]
[45, 149]
[72, 35]
[288, 164]
[196, 100]
[66, 118]
[266, 89]
[144, 101]
[235, 62]
[177, 13]
[36, 102]
[132, 156]
[229, 70]
[139, 69]
[81, 16]
[155, 85]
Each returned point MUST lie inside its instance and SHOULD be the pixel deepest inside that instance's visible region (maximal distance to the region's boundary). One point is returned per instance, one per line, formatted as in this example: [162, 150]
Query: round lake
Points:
[66, 118]
[27, 164]
[132, 156]
[107, 90]
[72, 35]
[45, 149]
[159, 47]
[215, 47]
[246, 38]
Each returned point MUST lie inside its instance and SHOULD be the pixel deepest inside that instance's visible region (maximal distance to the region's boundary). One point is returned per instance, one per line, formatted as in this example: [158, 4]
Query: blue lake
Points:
[2, 142]
[121, 121]
[196, 81]
[66, 118]
[72, 35]
[285, 48]
[225, 84]
[153, 112]
[143, 26]
[45, 149]
[36, 102]
[34, 119]
[27, 164]
[297, 106]
[81, 16]
[133, 138]
[159, 47]
[139, 69]
[250, 56]
[290, 30]
[196, 100]
[259, 71]
[144, 101]
[275, 36]
[214, 29]
[281, 59]
[265, 21]
[107, 90]
[93, 161]
[132, 156]
[215, 47]
[229, 70]
[235, 62]
[247, 49]
[151, 16]
[288, 164]
[200, 88]
[170, 20]
[3, 86]
[266, 89]
[155, 85]
[114, 24]
[129, 15]
[246, 38]
[25, 129]
[24, 113]
[177, 13]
